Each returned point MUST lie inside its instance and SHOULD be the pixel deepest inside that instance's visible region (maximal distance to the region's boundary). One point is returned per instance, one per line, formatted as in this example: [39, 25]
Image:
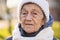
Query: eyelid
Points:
[24, 13]
[35, 13]
[39, 13]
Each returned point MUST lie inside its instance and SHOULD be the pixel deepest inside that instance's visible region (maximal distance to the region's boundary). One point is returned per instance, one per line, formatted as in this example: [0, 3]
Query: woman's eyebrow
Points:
[35, 10]
[40, 12]
[24, 9]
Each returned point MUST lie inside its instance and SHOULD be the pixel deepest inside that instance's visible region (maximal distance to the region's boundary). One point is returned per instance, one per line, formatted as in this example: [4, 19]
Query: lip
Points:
[28, 24]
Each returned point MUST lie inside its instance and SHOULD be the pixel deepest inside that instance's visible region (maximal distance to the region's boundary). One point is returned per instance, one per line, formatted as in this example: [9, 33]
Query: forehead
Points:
[31, 6]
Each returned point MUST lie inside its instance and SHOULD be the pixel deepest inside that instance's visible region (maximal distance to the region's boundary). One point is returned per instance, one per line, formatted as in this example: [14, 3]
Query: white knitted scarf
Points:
[45, 34]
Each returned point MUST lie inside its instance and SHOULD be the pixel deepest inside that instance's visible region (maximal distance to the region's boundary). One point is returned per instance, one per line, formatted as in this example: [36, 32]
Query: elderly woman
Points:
[34, 21]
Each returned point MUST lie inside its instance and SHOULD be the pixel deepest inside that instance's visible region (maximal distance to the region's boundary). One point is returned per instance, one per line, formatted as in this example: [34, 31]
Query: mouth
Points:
[28, 24]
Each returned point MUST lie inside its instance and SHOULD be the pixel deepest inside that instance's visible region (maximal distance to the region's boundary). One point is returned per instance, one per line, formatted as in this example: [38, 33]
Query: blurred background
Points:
[8, 17]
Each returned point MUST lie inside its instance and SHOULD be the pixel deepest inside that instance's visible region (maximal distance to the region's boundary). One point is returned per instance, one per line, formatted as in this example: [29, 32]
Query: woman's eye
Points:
[24, 13]
[34, 13]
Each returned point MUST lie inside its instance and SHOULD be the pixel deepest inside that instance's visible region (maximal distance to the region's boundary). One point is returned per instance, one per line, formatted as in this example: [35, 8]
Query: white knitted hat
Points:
[42, 3]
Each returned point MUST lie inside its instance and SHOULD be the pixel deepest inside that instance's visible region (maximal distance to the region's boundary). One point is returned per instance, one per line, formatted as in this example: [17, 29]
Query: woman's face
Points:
[31, 18]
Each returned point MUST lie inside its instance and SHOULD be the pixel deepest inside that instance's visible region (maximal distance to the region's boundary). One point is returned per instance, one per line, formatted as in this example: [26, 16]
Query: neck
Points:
[25, 34]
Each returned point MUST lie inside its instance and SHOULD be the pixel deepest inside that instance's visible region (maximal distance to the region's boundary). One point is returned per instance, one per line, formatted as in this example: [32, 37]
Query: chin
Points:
[29, 31]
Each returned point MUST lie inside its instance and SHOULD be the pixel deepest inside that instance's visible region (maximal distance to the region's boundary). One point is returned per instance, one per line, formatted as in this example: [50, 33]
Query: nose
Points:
[29, 17]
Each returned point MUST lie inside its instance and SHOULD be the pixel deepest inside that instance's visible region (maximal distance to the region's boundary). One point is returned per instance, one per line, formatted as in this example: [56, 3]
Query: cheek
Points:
[37, 23]
[22, 20]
